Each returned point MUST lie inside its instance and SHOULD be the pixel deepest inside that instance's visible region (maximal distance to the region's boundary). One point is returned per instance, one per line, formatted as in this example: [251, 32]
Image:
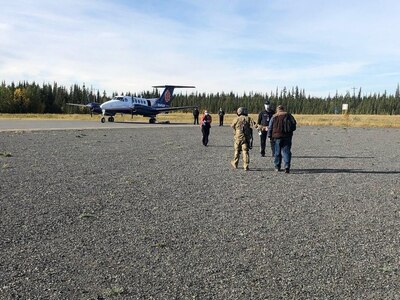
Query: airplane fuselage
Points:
[136, 106]
[123, 104]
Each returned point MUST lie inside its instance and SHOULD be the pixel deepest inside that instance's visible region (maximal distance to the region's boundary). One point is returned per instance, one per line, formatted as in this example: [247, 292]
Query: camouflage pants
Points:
[241, 146]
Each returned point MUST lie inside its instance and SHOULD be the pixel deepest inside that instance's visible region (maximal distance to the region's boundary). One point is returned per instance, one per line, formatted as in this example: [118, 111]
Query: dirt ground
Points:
[150, 213]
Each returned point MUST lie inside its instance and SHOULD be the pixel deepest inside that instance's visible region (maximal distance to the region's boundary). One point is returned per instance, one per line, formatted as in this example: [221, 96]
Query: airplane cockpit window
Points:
[119, 98]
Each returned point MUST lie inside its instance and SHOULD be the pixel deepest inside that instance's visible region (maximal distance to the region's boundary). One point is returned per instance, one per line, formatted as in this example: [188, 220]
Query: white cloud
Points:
[249, 46]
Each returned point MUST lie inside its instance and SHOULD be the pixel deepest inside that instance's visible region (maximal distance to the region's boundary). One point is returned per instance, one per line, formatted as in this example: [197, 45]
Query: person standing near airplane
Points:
[242, 127]
[196, 116]
[263, 121]
[221, 115]
[205, 124]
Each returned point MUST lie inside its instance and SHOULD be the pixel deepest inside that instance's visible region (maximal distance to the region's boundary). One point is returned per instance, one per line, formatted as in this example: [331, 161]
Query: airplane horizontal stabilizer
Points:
[174, 86]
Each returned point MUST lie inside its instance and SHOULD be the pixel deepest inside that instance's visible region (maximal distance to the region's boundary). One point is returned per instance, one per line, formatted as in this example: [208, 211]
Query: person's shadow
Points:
[340, 170]
[333, 156]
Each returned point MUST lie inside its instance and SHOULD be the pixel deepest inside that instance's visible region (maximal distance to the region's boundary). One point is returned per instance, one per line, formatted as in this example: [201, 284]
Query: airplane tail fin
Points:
[166, 96]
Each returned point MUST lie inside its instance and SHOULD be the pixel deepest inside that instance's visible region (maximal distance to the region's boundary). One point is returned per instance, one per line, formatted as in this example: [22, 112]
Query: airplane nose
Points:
[107, 105]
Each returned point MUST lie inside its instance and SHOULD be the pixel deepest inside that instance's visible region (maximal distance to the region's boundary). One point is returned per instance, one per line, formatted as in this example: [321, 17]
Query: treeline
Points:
[296, 101]
[51, 98]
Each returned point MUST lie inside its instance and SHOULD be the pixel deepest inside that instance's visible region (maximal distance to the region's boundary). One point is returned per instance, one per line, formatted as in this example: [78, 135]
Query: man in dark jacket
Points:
[263, 121]
[196, 115]
[280, 130]
[221, 115]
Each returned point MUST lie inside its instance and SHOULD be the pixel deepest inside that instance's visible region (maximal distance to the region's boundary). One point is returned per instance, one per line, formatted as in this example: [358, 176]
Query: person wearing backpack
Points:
[242, 126]
[280, 130]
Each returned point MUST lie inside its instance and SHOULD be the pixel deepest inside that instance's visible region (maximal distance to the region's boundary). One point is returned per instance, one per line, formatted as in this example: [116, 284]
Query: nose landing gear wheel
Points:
[102, 120]
[111, 119]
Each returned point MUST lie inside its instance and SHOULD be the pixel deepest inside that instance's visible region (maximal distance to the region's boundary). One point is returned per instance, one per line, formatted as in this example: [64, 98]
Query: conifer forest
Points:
[24, 97]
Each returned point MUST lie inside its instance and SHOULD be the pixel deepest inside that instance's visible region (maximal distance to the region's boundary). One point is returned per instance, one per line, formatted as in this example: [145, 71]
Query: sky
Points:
[241, 46]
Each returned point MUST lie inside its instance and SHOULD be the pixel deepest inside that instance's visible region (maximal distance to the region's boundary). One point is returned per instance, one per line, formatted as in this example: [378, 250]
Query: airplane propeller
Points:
[133, 110]
[92, 109]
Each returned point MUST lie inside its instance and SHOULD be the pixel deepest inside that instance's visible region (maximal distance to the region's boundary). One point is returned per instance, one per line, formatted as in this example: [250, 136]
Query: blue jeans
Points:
[282, 150]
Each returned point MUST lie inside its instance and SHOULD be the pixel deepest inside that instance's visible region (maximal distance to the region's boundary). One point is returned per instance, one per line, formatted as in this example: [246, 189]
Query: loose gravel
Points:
[150, 213]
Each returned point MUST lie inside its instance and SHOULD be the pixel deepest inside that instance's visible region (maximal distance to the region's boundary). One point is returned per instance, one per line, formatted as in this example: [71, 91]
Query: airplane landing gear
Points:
[110, 119]
[152, 120]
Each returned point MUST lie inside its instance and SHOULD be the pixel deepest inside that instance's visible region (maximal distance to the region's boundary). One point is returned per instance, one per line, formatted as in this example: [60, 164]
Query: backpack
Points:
[289, 124]
[246, 129]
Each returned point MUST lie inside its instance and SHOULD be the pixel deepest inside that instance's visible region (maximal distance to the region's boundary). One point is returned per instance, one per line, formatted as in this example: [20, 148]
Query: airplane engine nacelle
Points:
[96, 110]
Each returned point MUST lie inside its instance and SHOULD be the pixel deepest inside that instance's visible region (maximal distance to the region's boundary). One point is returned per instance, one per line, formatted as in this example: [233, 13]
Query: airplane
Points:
[136, 105]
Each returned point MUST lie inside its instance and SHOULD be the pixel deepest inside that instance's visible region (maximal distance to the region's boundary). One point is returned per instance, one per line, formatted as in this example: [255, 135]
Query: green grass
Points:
[6, 154]
[114, 291]
[86, 216]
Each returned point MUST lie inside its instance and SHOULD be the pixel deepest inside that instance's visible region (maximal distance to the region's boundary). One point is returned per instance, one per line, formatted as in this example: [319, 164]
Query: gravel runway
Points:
[150, 213]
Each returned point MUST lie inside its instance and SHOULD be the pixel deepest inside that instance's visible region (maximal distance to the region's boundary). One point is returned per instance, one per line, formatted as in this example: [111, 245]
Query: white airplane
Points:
[136, 106]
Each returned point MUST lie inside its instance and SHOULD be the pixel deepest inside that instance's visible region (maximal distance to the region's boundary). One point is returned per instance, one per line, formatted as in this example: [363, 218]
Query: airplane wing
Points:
[94, 107]
[80, 105]
[167, 109]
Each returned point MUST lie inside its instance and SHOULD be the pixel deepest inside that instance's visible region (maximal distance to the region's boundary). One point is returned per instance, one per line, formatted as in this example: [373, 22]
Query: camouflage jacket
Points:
[242, 126]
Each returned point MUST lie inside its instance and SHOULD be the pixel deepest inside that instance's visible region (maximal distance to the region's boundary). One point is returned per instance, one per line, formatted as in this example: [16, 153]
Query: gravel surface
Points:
[150, 213]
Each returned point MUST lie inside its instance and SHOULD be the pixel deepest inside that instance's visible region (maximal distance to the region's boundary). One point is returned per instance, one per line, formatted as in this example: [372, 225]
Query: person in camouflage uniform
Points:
[242, 126]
